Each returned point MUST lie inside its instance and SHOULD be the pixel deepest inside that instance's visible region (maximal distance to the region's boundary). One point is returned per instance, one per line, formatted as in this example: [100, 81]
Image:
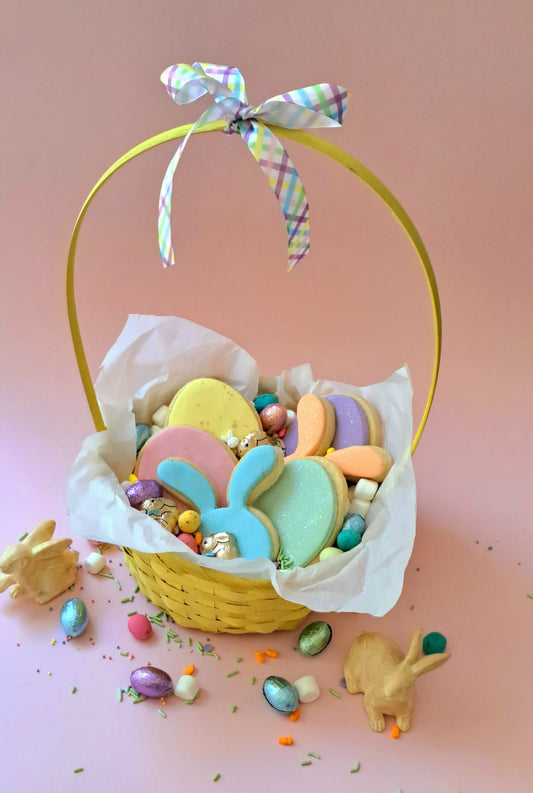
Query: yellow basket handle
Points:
[313, 142]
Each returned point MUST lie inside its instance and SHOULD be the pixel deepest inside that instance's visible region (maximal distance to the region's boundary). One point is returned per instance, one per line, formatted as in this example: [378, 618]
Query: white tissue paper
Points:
[151, 359]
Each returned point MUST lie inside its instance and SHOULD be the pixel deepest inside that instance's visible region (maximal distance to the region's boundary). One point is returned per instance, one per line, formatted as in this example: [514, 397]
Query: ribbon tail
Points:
[285, 182]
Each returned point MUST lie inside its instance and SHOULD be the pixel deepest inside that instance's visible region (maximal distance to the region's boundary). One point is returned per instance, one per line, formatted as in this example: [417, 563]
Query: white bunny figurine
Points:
[38, 565]
[377, 667]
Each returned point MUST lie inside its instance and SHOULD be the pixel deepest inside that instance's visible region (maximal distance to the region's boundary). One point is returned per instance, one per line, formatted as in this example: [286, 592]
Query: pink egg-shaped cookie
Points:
[195, 446]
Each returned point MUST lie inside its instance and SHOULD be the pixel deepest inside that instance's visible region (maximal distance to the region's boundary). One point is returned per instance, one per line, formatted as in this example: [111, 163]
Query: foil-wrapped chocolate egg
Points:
[255, 438]
[314, 638]
[142, 489]
[74, 617]
[163, 510]
[280, 694]
[273, 418]
[142, 433]
[151, 682]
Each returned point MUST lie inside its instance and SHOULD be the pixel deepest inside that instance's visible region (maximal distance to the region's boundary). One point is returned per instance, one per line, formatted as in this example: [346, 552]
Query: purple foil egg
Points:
[142, 489]
[151, 682]
[273, 418]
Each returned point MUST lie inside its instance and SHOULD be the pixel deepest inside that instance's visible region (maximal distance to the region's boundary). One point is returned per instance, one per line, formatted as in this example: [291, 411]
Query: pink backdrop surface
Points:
[441, 110]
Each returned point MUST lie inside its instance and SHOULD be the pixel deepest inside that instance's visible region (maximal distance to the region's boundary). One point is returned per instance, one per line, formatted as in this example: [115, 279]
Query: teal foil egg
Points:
[314, 638]
[142, 432]
[280, 694]
[74, 617]
[263, 400]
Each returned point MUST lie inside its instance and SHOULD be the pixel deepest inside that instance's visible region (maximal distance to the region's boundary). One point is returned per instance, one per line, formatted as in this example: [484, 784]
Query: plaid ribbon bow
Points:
[317, 106]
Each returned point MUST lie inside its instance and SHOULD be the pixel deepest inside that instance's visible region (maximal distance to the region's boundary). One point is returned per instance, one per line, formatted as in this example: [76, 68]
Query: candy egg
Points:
[189, 541]
[263, 400]
[355, 522]
[189, 521]
[314, 638]
[280, 694]
[74, 617]
[139, 626]
[151, 682]
[434, 642]
[348, 539]
[142, 433]
[273, 418]
[143, 489]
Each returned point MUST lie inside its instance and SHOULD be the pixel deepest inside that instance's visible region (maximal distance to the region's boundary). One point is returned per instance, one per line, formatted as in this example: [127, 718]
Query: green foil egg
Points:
[314, 638]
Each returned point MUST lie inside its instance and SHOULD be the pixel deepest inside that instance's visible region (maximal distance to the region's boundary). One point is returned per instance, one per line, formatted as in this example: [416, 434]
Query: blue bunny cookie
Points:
[254, 532]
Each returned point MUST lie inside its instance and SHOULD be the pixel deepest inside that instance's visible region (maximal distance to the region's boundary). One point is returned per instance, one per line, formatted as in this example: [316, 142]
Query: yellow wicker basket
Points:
[194, 596]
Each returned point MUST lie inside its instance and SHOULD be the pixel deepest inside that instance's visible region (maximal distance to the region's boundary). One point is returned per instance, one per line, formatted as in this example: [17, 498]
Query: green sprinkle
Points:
[120, 693]
[125, 654]
[159, 613]
[314, 754]
[252, 681]
[127, 600]
[131, 613]
[356, 768]
[200, 647]
[117, 582]
[23, 536]
[136, 589]
[232, 674]
[106, 575]
[530, 596]
[214, 655]
[156, 620]
[138, 699]
[171, 634]
[74, 689]
[233, 708]
[306, 762]
[216, 777]
[189, 641]
[238, 660]
[162, 713]
[334, 693]
[78, 770]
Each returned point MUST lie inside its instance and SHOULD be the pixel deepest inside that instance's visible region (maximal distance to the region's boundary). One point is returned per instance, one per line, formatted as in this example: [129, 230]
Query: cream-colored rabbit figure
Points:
[377, 667]
[38, 565]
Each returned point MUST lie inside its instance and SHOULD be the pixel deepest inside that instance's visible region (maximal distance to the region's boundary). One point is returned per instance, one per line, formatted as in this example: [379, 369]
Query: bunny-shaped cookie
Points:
[255, 533]
[39, 566]
[377, 667]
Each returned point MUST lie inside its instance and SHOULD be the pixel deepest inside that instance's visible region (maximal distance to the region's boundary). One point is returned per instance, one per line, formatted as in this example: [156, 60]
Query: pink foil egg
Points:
[273, 418]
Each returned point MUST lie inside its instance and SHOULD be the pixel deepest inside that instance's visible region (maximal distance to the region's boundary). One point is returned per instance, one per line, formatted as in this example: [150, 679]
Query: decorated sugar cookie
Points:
[210, 455]
[375, 434]
[351, 423]
[313, 429]
[214, 407]
[254, 532]
[306, 505]
[362, 462]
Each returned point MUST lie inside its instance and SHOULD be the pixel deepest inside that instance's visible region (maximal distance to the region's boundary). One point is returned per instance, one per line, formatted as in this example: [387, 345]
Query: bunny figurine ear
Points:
[41, 533]
[51, 548]
[429, 662]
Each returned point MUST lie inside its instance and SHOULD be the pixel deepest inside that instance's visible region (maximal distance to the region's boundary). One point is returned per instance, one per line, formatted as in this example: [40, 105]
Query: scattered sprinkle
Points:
[232, 674]
[131, 613]
[233, 708]
[238, 660]
[162, 713]
[395, 732]
[189, 670]
[285, 740]
[530, 595]
[213, 655]
[200, 647]
[189, 641]
[74, 689]
[259, 657]
[342, 682]
[208, 648]
[295, 715]
[117, 582]
[216, 777]
[136, 589]
[23, 536]
[306, 762]
[105, 575]
[119, 694]
[355, 768]
[53, 642]
[313, 754]
[128, 600]
[334, 693]
[252, 681]
[78, 770]
[271, 653]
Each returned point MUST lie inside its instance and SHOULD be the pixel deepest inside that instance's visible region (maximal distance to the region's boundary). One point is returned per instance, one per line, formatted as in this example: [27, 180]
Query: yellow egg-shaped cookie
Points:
[214, 407]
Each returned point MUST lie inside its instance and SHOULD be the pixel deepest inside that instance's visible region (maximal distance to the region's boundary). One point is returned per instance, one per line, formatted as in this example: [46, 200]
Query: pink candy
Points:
[189, 541]
[139, 626]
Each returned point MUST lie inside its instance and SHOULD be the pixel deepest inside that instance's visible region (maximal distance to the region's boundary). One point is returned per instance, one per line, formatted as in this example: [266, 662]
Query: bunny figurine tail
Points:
[38, 565]
[377, 667]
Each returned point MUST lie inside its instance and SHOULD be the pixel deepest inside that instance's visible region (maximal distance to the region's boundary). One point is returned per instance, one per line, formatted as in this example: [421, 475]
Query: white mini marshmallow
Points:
[160, 416]
[307, 688]
[187, 687]
[154, 428]
[94, 563]
[365, 489]
[359, 507]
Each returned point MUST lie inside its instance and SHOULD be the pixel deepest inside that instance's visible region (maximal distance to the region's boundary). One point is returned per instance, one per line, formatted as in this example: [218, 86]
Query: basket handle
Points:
[313, 142]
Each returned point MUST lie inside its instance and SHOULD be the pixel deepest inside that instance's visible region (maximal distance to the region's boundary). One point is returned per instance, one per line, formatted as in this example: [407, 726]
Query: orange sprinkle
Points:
[286, 740]
[271, 653]
[295, 715]
[198, 537]
[259, 657]
[189, 670]
[395, 732]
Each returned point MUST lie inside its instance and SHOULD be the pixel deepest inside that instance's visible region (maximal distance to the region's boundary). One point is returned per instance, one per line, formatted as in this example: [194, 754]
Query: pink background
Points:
[441, 111]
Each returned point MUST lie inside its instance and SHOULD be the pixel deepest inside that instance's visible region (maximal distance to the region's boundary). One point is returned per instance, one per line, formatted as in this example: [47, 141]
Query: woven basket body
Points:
[194, 596]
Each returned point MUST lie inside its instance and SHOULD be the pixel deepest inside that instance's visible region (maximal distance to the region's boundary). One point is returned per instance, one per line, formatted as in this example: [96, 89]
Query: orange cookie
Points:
[315, 427]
